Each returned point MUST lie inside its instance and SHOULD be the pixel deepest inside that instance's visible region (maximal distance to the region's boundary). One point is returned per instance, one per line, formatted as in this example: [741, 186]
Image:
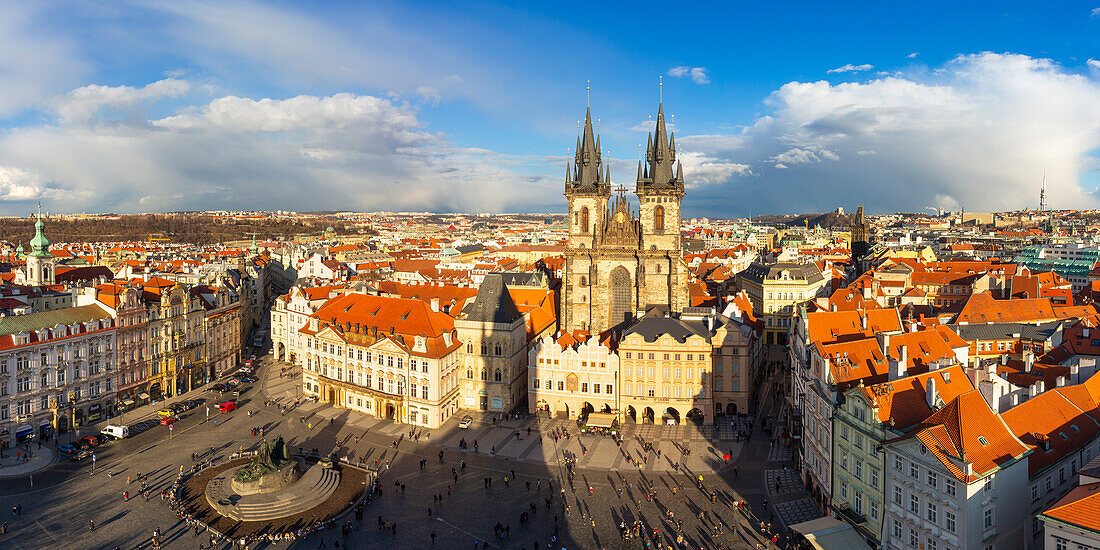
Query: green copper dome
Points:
[40, 244]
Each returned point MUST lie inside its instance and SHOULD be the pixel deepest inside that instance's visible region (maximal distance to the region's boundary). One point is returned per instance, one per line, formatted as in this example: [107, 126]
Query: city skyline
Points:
[198, 106]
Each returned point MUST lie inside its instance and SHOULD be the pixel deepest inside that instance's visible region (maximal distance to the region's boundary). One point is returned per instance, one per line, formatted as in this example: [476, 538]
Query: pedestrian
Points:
[322, 545]
[433, 537]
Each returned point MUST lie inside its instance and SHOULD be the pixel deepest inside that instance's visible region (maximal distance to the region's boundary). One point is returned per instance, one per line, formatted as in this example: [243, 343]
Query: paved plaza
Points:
[461, 498]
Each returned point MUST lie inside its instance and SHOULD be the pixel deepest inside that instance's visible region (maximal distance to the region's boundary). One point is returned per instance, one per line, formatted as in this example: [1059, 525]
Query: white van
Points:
[116, 432]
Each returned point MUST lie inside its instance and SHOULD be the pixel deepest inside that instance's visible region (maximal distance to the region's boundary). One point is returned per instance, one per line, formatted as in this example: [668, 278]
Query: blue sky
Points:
[149, 106]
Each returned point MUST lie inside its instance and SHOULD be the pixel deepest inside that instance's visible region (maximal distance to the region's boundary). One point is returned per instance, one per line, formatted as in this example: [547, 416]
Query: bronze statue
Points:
[272, 457]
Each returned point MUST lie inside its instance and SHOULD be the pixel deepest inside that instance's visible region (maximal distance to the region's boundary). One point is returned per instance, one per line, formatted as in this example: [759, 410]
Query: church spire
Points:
[588, 161]
[660, 153]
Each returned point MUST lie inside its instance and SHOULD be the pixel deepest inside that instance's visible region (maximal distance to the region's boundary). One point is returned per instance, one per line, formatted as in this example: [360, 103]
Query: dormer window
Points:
[983, 441]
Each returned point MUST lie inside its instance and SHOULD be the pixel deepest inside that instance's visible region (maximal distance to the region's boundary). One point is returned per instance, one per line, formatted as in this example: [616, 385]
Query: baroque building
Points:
[620, 261]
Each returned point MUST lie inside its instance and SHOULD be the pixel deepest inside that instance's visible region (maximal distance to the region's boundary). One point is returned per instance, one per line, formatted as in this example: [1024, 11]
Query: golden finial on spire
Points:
[661, 88]
[588, 93]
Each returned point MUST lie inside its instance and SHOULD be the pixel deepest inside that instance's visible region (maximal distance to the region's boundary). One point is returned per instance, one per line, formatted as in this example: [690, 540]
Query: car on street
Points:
[169, 420]
[465, 422]
[91, 440]
[220, 387]
[227, 406]
[81, 455]
[244, 379]
[66, 449]
[115, 432]
[166, 411]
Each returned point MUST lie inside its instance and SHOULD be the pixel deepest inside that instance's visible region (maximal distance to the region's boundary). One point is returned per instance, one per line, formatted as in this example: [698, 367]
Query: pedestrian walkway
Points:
[15, 464]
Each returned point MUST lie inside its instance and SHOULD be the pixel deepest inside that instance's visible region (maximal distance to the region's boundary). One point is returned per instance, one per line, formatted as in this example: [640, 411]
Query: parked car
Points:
[91, 440]
[81, 455]
[227, 406]
[169, 420]
[166, 411]
[220, 387]
[465, 422]
[245, 379]
[66, 449]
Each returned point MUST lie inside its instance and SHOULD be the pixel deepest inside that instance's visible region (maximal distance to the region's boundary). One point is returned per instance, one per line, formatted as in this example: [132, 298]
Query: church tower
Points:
[587, 187]
[620, 260]
[40, 263]
[660, 188]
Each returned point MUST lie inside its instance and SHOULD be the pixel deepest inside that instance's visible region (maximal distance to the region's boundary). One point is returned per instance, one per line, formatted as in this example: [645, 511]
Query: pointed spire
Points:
[660, 157]
[679, 171]
[588, 155]
[640, 170]
[567, 178]
[672, 143]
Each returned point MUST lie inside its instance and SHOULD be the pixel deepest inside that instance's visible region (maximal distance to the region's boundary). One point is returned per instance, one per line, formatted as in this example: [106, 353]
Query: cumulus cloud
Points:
[697, 75]
[81, 105]
[977, 132]
[1094, 64]
[913, 55]
[1095, 12]
[303, 152]
[849, 68]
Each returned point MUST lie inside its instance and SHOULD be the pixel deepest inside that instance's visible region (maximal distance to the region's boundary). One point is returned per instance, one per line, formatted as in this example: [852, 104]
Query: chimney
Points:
[930, 394]
[903, 358]
[1042, 386]
[1004, 359]
[435, 304]
[834, 307]
[1015, 399]
[863, 321]
[1033, 390]
[145, 277]
[1074, 371]
[1060, 381]
[1029, 360]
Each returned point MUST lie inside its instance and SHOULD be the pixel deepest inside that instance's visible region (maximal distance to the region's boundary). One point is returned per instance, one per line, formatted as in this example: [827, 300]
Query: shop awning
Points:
[127, 402]
[143, 395]
[23, 430]
[600, 420]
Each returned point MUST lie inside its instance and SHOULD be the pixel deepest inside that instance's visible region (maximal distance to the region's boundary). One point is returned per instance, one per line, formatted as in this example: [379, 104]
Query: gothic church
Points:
[619, 262]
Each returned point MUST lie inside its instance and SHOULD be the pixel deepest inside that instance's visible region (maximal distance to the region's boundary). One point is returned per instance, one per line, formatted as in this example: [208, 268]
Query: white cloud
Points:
[849, 68]
[1095, 12]
[976, 132]
[913, 55]
[697, 75]
[430, 95]
[1094, 64]
[311, 152]
[81, 105]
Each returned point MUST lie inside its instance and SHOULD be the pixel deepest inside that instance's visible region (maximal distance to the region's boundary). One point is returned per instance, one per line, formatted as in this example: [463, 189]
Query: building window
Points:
[897, 495]
[949, 487]
[914, 504]
[874, 478]
[933, 479]
[897, 463]
[874, 509]
[931, 512]
[584, 387]
[988, 521]
[949, 521]
[659, 218]
[607, 388]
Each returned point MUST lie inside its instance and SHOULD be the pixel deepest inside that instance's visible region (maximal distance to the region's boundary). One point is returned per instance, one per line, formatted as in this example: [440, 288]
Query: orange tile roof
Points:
[982, 308]
[902, 403]
[1051, 418]
[1080, 507]
[377, 315]
[948, 436]
[839, 326]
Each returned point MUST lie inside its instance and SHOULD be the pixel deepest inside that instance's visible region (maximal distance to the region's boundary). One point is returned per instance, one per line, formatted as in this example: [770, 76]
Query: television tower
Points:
[1043, 194]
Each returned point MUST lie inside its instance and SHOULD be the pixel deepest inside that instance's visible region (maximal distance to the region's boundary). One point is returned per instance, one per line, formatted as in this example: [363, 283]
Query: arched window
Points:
[498, 350]
[470, 374]
[497, 376]
[484, 374]
[584, 220]
[658, 268]
[469, 348]
[620, 294]
[659, 218]
[584, 281]
[484, 349]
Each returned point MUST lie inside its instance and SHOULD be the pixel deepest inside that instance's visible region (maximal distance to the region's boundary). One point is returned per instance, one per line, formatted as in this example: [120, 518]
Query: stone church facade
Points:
[619, 261]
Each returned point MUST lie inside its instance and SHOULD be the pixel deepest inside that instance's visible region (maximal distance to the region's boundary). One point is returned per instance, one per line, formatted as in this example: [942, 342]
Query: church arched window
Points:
[484, 349]
[497, 376]
[484, 374]
[584, 281]
[584, 220]
[470, 374]
[659, 218]
[498, 350]
[658, 268]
